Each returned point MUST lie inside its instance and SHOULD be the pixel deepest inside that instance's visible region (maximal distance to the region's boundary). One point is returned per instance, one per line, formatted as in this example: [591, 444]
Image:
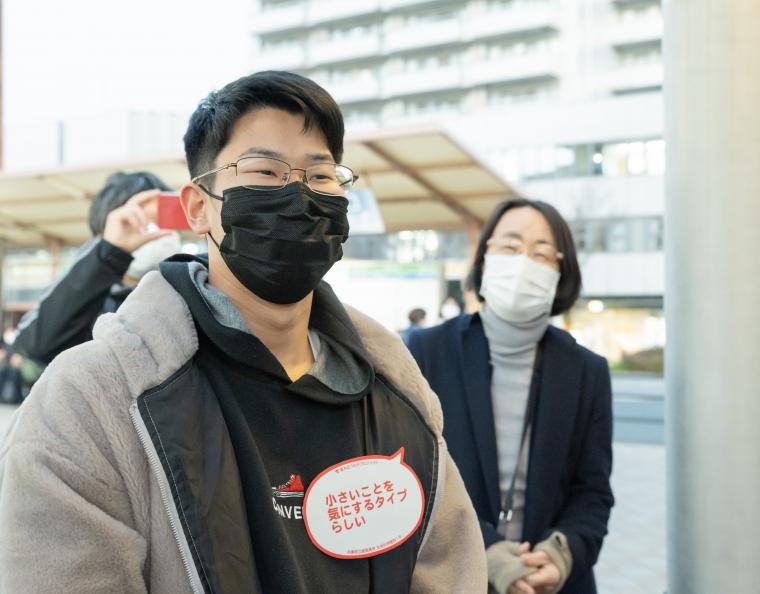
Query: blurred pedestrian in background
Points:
[10, 369]
[126, 245]
[527, 411]
[416, 321]
[450, 308]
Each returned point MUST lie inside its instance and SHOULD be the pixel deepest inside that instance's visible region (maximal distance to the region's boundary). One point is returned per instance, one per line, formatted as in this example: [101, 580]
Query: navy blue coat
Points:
[568, 482]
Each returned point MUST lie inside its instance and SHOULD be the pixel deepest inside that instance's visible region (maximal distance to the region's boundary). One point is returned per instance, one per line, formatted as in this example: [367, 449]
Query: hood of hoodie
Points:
[342, 370]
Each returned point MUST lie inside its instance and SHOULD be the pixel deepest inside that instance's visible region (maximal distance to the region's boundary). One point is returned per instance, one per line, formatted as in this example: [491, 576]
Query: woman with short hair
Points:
[527, 411]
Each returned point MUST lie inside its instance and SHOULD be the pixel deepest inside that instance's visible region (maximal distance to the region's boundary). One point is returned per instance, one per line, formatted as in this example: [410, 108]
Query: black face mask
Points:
[280, 242]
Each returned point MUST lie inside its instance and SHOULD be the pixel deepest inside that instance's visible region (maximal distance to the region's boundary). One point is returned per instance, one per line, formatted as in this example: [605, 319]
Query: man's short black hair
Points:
[212, 122]
[416, 316]
[119, 188]
[569, 287]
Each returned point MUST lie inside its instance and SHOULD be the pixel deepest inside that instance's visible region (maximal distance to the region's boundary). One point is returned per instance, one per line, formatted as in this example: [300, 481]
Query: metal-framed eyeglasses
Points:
[327, 178]
[541, 252]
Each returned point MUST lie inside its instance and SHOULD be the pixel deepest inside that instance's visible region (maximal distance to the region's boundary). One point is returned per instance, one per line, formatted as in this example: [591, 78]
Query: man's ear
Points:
[193, 202]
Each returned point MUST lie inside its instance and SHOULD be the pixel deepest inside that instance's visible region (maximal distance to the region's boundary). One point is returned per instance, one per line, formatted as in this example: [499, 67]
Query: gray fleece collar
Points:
[334, 365]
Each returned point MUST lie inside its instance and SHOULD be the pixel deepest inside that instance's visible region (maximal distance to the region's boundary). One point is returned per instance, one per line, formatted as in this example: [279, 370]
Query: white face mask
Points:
[9, 336]
[150, 255]
[450, 310]
[517, 289]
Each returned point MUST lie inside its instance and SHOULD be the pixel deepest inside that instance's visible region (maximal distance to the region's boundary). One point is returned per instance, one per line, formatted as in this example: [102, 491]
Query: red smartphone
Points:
[170, 213]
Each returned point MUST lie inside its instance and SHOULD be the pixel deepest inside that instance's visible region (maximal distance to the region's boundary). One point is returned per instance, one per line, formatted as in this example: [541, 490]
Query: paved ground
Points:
[639, 408]
[633, 558]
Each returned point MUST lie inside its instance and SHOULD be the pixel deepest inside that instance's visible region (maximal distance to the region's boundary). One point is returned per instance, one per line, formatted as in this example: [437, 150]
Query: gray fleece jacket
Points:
[83, 509]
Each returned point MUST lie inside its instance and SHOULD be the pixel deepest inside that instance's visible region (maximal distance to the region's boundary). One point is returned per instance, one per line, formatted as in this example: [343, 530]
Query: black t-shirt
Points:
[284, 434]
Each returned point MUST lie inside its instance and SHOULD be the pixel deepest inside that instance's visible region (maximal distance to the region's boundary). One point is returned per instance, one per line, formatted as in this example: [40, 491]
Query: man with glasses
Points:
[233, 427]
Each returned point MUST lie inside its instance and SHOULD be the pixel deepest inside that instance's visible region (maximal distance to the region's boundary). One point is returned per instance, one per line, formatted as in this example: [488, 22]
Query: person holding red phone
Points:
[126, 245]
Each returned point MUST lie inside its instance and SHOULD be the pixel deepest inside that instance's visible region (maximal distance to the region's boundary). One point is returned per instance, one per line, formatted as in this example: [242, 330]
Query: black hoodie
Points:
[285, 433]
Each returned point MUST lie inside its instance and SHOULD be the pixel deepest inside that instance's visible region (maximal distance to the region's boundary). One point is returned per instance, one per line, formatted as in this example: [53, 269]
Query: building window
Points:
[408, 246]
[282, 45]
[358, 117]
[428, 62]
[633, 14]
[630, 332]
[628, 235]
[433, 105]
[614, 159]
[354, 32]
[516, 49]
[351, 75]
[521, 92]
[431, 17]
[633, 158]
[275, 4]
[495, 5]
[27, 273]
[643, 55]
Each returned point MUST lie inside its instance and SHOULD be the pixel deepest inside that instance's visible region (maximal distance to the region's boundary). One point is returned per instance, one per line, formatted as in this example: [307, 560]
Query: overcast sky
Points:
[75, 58]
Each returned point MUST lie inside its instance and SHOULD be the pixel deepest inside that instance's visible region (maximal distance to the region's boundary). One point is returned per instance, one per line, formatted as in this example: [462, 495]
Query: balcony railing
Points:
[529, 66]
[629, 3]
[636, 31]
[328, 11]
[422, 81]
[354, 91]
[432, 116]
[283, 58]
[426, 34]
[394, 4]
[509, 21]
[346, 49]
[639, 76]
[279, 18]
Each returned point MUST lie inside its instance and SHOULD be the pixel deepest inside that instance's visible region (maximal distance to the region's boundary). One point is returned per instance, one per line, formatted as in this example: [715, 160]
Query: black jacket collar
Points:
[554, 415]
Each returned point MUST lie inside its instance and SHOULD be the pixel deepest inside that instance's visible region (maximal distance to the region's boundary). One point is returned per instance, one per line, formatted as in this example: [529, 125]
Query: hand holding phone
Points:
[131, 225]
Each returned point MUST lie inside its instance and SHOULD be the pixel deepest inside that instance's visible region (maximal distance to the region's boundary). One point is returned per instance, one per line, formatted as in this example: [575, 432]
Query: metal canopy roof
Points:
[422, 179]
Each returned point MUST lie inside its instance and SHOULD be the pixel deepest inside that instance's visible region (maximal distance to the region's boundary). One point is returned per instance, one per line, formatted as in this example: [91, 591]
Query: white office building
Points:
[562, 97]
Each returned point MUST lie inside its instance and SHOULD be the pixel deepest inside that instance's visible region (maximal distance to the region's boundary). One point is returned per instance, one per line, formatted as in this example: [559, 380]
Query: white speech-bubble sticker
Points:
[364, 506]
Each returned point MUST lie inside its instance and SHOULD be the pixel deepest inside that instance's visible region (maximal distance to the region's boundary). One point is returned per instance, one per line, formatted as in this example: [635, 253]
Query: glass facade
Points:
[629, 332]
[612, 159]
